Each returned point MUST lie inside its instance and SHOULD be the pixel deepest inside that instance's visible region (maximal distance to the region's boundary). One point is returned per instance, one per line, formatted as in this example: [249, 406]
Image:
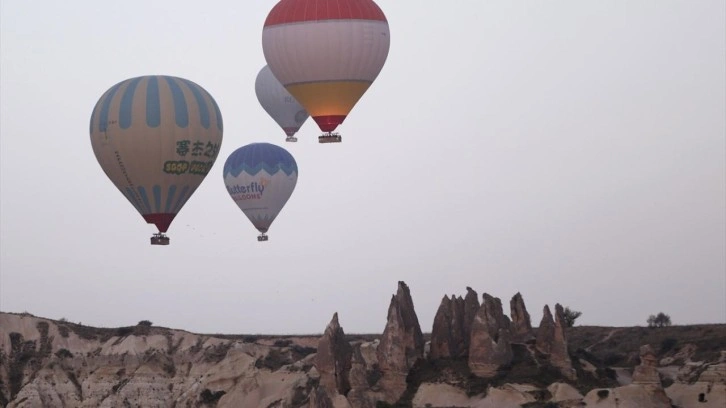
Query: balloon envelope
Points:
[326, 53]
[279, 103]
[260, 177]
[156, 137]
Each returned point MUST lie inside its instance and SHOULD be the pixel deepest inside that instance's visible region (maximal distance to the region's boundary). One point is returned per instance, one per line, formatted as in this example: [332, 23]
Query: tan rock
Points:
[551, 340]
[402, 341]
[714, 373]
[160, 368]
[490, 346]
[442, 395]
[402, 344]
[364, 377]
[333, 359]
[563, 392]
[471, 307]
[521, 325]
[448, 333]
[442, 333]
[546, 331]
[700, 395]
[647, 371]
[628, 396]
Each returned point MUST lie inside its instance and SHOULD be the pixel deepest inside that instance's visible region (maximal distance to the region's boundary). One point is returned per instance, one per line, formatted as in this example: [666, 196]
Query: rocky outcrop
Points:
[471, 307]
[451, 332]
[700, 395]
[628, 396]
[559, 352]
[364, 376]
[564, 394]
[47, 363]
[716, 372]
[490, 346]
[319, 398]
[647, 372]
[402, 343]
[442, 334]
[333, 360]
[546, 331]
[521, 324]
[552, 341]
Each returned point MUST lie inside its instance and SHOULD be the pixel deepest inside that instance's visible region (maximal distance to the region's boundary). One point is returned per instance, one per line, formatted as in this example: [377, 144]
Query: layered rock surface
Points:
[490, 346]
[402, 344]
[506, 364]
[333, 359]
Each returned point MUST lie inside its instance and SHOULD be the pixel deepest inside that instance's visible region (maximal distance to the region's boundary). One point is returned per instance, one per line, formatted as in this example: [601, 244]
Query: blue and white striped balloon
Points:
[156, 137]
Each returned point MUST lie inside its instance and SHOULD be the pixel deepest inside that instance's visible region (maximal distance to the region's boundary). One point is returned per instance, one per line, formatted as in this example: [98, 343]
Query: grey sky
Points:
[572, 150]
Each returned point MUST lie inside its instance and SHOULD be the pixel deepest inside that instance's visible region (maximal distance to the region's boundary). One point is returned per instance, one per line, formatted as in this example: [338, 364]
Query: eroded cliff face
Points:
[55, 364]
[479, 358]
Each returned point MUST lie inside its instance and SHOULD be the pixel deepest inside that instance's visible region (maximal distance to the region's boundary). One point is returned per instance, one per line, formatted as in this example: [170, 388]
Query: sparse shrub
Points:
[145, 323]
[603, 393]
[124, 331]
[273, 361]
[301, 351]
[209, 397]
[63, 320]
[570, 316]
[659, 320]
[612, 359]
[63, 353]
[282, 343]
[667, 344]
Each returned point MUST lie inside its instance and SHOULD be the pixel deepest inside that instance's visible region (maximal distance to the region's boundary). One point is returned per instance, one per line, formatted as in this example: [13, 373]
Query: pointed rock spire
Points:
[490, 346]
[521, 324]
[333, 359]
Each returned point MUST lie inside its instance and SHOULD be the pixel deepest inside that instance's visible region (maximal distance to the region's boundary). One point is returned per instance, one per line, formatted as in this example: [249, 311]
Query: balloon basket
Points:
[291, 139]
[330, 138]
[262, 237]
[159, 239]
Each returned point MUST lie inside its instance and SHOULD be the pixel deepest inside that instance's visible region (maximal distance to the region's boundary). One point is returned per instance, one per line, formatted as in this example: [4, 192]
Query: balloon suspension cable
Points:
[159, 239]
[292, 139]
[262, 237]
[330, 137]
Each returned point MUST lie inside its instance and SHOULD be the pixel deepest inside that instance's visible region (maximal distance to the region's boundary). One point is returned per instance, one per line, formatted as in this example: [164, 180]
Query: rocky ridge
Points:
[477, 357]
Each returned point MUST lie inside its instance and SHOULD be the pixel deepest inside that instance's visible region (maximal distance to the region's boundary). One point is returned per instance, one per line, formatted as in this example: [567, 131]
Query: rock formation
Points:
[56, 364]
[490, 346]
[551, 340]
[402, 343]
[333, 360]
[521, 324]
[546, 331]
[361, 394]
[442, 333]
[647, 371]
[49, 363]
[451, 332]
[471, 307]
[559, 352]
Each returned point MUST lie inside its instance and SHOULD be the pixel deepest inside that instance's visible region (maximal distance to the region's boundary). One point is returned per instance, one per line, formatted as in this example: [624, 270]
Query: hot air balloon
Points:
[260, 177]
[156, 137]
[279, 104]
[326, 53]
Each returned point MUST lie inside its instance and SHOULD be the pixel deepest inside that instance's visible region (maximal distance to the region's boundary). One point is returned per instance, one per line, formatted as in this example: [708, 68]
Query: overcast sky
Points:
[573, 151]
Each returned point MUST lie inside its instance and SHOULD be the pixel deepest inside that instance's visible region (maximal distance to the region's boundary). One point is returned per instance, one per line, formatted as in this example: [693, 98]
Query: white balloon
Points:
[279, 103]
